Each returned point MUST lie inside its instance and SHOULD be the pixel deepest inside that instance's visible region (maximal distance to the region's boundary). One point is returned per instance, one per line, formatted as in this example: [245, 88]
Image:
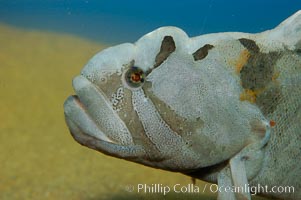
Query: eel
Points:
[222, 107]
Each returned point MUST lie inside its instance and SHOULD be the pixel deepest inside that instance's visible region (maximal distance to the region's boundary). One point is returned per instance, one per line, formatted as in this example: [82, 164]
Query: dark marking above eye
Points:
[202, 52]
[167, 47]
[249, 44]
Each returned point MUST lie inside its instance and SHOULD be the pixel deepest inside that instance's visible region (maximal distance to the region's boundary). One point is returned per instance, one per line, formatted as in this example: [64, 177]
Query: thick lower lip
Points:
[75, 112]
[86, 132]
[91, 112]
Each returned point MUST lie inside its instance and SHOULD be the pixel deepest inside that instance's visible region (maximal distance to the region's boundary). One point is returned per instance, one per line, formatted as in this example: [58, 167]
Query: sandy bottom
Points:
[39, 159]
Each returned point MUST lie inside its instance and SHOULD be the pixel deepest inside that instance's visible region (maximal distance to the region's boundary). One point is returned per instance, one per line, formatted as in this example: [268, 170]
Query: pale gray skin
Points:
[225, 108]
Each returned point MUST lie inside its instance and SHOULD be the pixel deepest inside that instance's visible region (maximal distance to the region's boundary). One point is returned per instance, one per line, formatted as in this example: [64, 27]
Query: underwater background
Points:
[121, 21]
[44, 44]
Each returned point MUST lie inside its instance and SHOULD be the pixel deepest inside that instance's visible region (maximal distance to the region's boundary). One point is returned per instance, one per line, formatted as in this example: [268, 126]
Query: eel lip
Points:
[92, 111]
[85, 131]
[76, 113]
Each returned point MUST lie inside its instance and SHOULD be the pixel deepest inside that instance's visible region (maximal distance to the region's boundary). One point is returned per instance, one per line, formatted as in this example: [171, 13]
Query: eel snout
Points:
[93, 123]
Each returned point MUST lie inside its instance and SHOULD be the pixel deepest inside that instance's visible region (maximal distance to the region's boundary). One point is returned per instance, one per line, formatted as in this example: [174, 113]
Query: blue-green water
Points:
[39, 159]
[123, 21]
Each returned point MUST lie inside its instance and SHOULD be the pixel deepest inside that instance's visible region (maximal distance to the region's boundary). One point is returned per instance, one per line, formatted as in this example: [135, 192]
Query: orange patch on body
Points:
[242, 60]
[272, 123]
[250, 95]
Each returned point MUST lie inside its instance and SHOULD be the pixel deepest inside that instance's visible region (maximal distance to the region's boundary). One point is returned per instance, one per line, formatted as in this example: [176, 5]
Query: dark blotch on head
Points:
[259, 70]
[249, 44]
[167, 47]
[202, 52]
[257, 75]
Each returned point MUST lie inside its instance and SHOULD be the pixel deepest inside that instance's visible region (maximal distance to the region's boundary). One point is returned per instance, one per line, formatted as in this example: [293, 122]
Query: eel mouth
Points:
[77, 117]
[93, 123]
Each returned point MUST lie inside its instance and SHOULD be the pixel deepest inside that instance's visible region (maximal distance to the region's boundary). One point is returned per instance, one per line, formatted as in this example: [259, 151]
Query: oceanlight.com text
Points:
[207, 188]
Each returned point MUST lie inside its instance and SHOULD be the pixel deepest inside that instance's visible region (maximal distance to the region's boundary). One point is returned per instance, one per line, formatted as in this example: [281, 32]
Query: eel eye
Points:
[134, 77]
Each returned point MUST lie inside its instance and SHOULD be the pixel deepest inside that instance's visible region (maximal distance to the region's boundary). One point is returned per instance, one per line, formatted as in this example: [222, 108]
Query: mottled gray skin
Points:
[225, 108]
